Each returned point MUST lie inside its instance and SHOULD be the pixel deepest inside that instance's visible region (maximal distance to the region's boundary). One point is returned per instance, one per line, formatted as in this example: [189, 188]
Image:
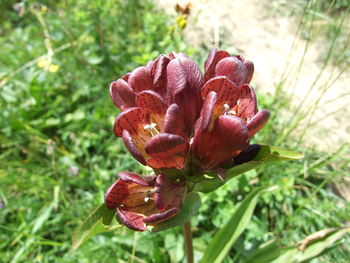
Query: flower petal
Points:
[167, 151]
[184, 84]
[194, 74]
[213, 58]
[127, 192]
[136, 178]
[160, 217]
[168, 193]
[234, 69]
[132, 147]
[130, 120]
[126, 76]
[176, 78]
[173, 122]
[250, 67]
[154, 104]
[228, 137]
[140, 80]
[131, 220]
[247, 104]
[122, 94]
[159, 75]
[258, 122]
[207, 117]
[226, 90]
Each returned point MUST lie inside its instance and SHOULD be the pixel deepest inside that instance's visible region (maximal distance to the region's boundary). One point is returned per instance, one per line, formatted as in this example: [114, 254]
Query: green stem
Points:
[188, 241]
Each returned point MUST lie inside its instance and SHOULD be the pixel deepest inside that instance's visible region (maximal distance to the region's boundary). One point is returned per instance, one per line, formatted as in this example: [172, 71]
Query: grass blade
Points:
[227, 236]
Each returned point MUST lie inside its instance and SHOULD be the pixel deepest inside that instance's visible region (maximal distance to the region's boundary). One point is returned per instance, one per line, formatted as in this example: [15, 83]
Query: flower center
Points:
[151, 128]
[149, 195]
[228, 110]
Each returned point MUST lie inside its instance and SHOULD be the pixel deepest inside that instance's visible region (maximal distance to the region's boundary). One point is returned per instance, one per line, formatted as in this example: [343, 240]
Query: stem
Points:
[188, 242]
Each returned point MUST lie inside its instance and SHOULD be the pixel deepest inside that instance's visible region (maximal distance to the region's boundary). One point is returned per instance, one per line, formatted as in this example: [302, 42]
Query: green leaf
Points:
[101, 220]
[189, 208]
[227, 236]
[267, 154]
[265, 253]
[44, 216]
[312, 246]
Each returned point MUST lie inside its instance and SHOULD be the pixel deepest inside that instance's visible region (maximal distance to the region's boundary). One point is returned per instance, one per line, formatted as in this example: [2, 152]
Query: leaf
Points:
[189, 208]
[97, 222]
[265, 253]
[44, 215]
[227, 236]
[267, 154]
[311, 246]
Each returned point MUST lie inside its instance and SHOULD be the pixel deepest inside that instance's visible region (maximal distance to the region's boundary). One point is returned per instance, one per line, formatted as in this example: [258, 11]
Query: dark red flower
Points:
[173, 116]
[144, 201]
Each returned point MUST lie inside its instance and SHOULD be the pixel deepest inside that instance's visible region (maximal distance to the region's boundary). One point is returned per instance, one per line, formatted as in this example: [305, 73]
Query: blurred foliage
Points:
[58, 153]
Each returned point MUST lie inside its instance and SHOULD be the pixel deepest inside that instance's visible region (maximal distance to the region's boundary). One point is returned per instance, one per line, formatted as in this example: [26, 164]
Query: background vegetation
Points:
[58, 153]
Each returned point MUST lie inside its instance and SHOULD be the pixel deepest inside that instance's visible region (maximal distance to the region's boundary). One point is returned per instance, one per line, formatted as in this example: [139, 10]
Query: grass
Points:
[58, 153]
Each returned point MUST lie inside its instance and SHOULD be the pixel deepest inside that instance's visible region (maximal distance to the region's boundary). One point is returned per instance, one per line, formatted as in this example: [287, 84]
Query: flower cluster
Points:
[175, 119]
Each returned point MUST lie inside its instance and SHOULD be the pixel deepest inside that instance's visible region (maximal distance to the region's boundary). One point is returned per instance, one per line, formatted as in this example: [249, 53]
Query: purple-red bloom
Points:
[142, 201]
[176, 117]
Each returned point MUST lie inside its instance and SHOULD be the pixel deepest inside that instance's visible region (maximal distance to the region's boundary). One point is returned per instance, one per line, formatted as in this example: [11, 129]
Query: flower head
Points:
[142, 201]
[175, 117]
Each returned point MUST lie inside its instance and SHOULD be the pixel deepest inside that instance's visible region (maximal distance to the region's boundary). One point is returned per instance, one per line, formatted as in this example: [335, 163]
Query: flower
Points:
[144, 201]
[174, 117]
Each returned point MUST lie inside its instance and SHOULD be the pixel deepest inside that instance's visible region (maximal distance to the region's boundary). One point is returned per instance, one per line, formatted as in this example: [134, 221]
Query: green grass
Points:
[53, 121]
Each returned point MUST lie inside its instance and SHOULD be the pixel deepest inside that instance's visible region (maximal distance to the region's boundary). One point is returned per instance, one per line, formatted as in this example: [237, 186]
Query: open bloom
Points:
[174, 117]
[144, 201]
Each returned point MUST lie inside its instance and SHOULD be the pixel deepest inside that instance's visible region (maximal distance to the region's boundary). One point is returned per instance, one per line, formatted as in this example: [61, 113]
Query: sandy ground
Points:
[258, 30]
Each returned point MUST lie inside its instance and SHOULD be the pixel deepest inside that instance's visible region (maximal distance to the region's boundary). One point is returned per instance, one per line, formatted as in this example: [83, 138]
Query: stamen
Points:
[151, 128]
[228, 110]
[148, 196]
[227, 107]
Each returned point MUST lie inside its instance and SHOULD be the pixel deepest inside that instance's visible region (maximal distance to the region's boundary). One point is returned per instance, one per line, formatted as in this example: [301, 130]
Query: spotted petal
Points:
[162, 216]
[131, 220]
[226, 90]
[154, 104]
[128, 192]
[167, 151]
[130, 120]
[247, 106]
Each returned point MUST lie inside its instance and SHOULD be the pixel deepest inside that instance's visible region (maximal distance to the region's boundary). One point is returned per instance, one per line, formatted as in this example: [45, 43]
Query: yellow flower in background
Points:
[53, 68]
[45, 64]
